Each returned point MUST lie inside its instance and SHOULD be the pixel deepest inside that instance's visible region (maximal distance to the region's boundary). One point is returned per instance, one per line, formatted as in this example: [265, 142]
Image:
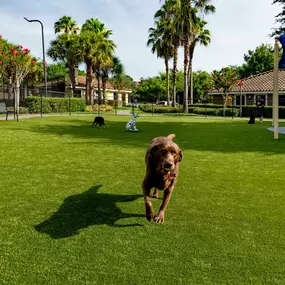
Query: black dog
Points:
[251, 117]
[99, 121]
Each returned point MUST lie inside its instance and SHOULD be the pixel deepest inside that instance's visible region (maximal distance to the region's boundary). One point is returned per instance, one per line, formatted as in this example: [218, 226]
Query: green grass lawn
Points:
[72, 211]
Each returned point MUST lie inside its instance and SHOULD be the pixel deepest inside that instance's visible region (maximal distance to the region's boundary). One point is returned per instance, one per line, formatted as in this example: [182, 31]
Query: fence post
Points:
[232, 109]
[69, 102]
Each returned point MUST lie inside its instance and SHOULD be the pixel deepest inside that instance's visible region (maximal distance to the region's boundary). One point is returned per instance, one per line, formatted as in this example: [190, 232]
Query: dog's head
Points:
[164, 155]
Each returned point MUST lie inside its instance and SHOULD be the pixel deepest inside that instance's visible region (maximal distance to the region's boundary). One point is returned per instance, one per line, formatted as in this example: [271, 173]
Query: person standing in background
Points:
[259, 108]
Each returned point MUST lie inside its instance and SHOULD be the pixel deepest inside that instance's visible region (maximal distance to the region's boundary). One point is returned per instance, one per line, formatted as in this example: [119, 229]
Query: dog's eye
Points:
[163, 151]
[174, 153]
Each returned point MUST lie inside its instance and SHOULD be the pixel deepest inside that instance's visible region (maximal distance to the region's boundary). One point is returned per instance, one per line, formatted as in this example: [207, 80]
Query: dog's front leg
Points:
[166, 197]
[149, 213]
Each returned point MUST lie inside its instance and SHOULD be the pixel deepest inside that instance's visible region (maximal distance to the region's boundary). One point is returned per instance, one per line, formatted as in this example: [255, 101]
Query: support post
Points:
[275, 90]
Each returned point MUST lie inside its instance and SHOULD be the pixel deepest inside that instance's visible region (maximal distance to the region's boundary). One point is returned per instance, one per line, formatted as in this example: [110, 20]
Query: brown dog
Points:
[162, 162]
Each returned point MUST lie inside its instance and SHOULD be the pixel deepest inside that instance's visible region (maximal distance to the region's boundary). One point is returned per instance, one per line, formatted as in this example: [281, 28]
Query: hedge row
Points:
[54, 105]
[246, 110]
[213, 106]
[22, 110]
[149, 108]
[215, 111]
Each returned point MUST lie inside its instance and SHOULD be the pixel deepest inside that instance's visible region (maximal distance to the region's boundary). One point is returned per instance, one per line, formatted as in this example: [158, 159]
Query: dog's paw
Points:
[149, 217]
[159, 218]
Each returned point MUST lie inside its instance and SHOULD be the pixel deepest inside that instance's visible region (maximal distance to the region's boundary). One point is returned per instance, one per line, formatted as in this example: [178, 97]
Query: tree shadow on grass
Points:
[87, 209]
[202, 135]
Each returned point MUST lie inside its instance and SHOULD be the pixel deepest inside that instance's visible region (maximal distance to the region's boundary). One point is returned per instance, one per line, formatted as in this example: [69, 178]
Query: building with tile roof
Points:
[57, 88]
[255, 85]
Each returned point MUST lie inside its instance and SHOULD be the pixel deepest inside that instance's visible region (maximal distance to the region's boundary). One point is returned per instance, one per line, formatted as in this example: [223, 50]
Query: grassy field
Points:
[72, 211]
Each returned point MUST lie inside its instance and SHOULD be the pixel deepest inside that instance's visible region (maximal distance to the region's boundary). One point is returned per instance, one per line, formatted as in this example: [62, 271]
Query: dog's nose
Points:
[168, 165]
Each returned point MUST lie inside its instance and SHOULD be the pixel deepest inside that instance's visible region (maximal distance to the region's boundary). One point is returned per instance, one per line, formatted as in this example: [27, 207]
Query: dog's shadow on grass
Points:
[87, 209]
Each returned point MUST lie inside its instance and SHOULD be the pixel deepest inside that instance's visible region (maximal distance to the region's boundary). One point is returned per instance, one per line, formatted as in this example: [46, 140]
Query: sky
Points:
[236, 27]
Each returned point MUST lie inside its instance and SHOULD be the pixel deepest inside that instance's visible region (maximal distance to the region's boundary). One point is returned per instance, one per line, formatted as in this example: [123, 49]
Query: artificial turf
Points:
[72, 211]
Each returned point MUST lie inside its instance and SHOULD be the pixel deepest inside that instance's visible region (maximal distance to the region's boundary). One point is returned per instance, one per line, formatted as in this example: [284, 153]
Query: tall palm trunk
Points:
[99, 87]
[175, 62]
[190, 70]
[72, 75]
[88, 97]
[186, 57]
[166, 62]
[104, 83]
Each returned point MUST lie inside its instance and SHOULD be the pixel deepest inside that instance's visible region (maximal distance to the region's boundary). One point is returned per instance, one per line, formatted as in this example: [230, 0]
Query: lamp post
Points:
[44, 61]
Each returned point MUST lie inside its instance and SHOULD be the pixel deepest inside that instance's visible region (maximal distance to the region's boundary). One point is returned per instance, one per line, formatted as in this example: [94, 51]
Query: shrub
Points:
[216, 111]
[111, 103]
[103, 108]
[54, 105]
[149, 108]
[22, 110]
[209, 105]
[267, 111]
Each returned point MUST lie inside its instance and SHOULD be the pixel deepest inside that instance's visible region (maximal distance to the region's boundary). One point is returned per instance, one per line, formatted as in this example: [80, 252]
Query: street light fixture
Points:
[44, 61]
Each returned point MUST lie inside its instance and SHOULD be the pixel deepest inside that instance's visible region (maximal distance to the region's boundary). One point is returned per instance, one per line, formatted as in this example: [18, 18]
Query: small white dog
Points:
[131, 125]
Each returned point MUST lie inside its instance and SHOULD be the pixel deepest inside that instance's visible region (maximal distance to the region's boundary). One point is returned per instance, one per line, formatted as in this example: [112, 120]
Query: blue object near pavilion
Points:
[282, 61]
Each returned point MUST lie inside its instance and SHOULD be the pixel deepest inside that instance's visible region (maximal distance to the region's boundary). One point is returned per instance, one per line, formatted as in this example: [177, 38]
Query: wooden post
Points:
[275, 90]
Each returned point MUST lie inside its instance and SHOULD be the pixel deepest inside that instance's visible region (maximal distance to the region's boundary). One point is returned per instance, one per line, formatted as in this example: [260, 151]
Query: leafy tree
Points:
[257, 61]
[66, 48]
[58, 70]
[202, 82]
[280, 19]
[15, 64]
[151, 89]
[223, 81]
[55, 71]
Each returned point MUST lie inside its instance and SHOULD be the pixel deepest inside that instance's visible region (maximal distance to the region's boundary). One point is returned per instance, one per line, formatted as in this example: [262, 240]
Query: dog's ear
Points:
[180, 155]
[154, 151]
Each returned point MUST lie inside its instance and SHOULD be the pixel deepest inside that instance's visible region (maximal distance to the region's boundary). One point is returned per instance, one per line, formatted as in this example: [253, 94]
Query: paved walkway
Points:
[28, 116]
[281, 130]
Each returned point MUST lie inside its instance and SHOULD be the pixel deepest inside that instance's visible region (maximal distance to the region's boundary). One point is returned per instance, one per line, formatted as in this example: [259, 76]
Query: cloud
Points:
[237, 26]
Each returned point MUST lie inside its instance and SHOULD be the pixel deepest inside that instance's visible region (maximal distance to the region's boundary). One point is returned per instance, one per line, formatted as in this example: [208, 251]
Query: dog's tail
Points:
[171, 136]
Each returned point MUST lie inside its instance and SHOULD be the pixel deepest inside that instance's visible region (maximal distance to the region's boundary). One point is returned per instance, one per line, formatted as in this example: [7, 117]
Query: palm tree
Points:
[103, 57]
[102, 53]
[199, 35]
[95, 50]
[184, 14]
[94, 25]
[165, 15]
[185, 18]
[113, 68]
[160, 43]
[67, 25]
[202, 36]
[66, 48]
[89, 44]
